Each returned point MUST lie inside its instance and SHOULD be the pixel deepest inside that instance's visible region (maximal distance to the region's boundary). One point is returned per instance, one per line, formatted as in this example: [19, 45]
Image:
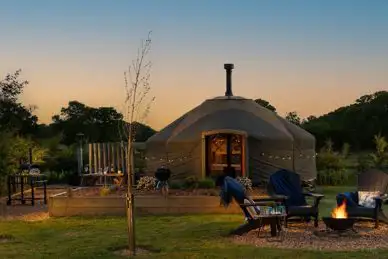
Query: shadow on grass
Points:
[148, 248]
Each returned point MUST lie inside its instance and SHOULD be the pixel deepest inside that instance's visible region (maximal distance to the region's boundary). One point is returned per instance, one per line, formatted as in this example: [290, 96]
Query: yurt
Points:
[231, 131]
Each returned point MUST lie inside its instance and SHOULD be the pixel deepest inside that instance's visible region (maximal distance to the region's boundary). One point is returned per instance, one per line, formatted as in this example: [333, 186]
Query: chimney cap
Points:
[229, 66]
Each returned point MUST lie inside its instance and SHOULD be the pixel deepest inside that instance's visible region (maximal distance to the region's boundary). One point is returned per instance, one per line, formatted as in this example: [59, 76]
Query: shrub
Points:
[380, 157]
[207, 183]
[331, 166]
[246, 182]
[191, 182]
[364, 162]
[327, 159]
[335, 177]
[104, 191]
[345, 150]
[146, 183]
[58, 177]
[176, 185]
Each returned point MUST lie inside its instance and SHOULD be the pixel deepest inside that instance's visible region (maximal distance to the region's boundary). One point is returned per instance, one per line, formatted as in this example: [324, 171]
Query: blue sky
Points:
[280, 48]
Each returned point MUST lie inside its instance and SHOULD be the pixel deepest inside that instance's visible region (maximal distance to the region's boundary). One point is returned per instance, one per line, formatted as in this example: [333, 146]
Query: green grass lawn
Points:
[176, 237]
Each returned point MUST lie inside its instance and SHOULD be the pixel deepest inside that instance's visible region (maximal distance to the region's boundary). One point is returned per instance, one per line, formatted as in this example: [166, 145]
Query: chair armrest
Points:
[379, 203]
[264, 203]
[314, 195]
[384, 197]
[317, 197]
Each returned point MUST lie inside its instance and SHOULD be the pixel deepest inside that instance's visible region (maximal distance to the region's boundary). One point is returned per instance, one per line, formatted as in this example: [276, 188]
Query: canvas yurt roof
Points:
[230, 114]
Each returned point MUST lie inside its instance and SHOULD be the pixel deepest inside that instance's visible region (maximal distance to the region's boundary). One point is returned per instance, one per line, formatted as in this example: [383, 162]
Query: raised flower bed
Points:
[87, 201]
[198, 197]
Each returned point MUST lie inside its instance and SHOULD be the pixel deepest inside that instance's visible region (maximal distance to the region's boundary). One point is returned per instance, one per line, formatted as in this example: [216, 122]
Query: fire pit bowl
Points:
[338, 224]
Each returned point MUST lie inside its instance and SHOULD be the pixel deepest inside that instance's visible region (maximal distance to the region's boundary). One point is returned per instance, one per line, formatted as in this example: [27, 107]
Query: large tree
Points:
[13, 115]
[101, 124]
[356, 124]
[265, 104]
[293, 117]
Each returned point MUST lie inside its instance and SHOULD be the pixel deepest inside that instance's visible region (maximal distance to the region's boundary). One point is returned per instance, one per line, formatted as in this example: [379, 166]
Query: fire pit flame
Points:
[340, 212]
[339, 220]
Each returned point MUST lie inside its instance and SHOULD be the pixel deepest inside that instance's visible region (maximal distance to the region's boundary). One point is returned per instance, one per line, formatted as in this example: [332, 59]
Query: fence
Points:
[110, 157]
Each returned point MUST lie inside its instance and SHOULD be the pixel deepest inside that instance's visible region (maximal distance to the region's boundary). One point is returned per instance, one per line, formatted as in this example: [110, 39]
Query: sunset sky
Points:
[305, 56]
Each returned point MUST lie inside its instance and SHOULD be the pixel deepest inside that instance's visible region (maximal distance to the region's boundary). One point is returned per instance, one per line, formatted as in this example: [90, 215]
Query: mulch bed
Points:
[305, 236]
[95, 192]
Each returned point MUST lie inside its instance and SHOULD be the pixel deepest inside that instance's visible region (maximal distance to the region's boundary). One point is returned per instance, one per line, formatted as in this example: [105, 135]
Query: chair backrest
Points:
[287, 183]
[373, 180]
[232, 189]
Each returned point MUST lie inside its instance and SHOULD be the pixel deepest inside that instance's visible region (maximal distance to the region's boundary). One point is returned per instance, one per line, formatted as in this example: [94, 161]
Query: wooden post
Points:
[109, 156]
[32, 190]
[95, 158]
[99, 156]
[119, 166]
[113, 158]
[105, 155]
[90, 158]
[9, 202]
[123, 150]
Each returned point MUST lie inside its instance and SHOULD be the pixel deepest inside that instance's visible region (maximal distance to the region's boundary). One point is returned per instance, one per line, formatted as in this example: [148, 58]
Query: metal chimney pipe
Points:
[228, 68]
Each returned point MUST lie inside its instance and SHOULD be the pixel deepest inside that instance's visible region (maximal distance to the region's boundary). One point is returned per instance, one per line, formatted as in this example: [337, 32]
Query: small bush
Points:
[364, 162]
[206, 183]
[246, 182]
[191, 182]
[380, 156]
[176, 185]
[146, 183]
[104, 191]
[345, 150]
[335, 177]
[328, 159]
[62, 177]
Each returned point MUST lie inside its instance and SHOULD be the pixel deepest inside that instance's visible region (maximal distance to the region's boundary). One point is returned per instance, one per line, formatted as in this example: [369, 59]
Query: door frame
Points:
[244, 160]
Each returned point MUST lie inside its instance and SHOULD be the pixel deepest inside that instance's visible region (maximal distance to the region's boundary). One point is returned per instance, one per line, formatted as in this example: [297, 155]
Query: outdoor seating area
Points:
[287, 203]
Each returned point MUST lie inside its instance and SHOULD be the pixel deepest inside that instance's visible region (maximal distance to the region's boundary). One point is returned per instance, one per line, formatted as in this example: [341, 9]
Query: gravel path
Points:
[305, 236]
[28, 212]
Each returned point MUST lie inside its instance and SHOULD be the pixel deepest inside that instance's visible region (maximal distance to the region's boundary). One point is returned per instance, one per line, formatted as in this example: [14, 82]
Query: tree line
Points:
[356, 124]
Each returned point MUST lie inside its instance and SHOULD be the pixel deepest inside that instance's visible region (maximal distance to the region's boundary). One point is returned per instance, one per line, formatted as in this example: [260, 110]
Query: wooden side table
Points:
[274, 220]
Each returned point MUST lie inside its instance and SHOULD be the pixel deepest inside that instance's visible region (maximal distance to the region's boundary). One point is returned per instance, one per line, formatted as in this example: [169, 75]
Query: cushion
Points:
[254, 211]
[366, 199]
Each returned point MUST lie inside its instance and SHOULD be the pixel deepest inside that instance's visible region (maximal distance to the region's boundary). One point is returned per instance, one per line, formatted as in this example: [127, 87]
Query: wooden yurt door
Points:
[224, 150]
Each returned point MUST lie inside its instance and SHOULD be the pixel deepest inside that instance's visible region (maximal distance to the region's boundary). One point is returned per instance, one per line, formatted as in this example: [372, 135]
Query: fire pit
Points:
[339, 220]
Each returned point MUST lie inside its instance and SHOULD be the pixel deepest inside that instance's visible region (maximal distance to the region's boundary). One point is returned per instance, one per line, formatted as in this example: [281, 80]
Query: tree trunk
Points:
[130, 198]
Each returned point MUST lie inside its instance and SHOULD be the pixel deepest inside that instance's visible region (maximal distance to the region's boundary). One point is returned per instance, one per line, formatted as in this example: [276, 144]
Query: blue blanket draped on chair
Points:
[287, 183]
[230, 189]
